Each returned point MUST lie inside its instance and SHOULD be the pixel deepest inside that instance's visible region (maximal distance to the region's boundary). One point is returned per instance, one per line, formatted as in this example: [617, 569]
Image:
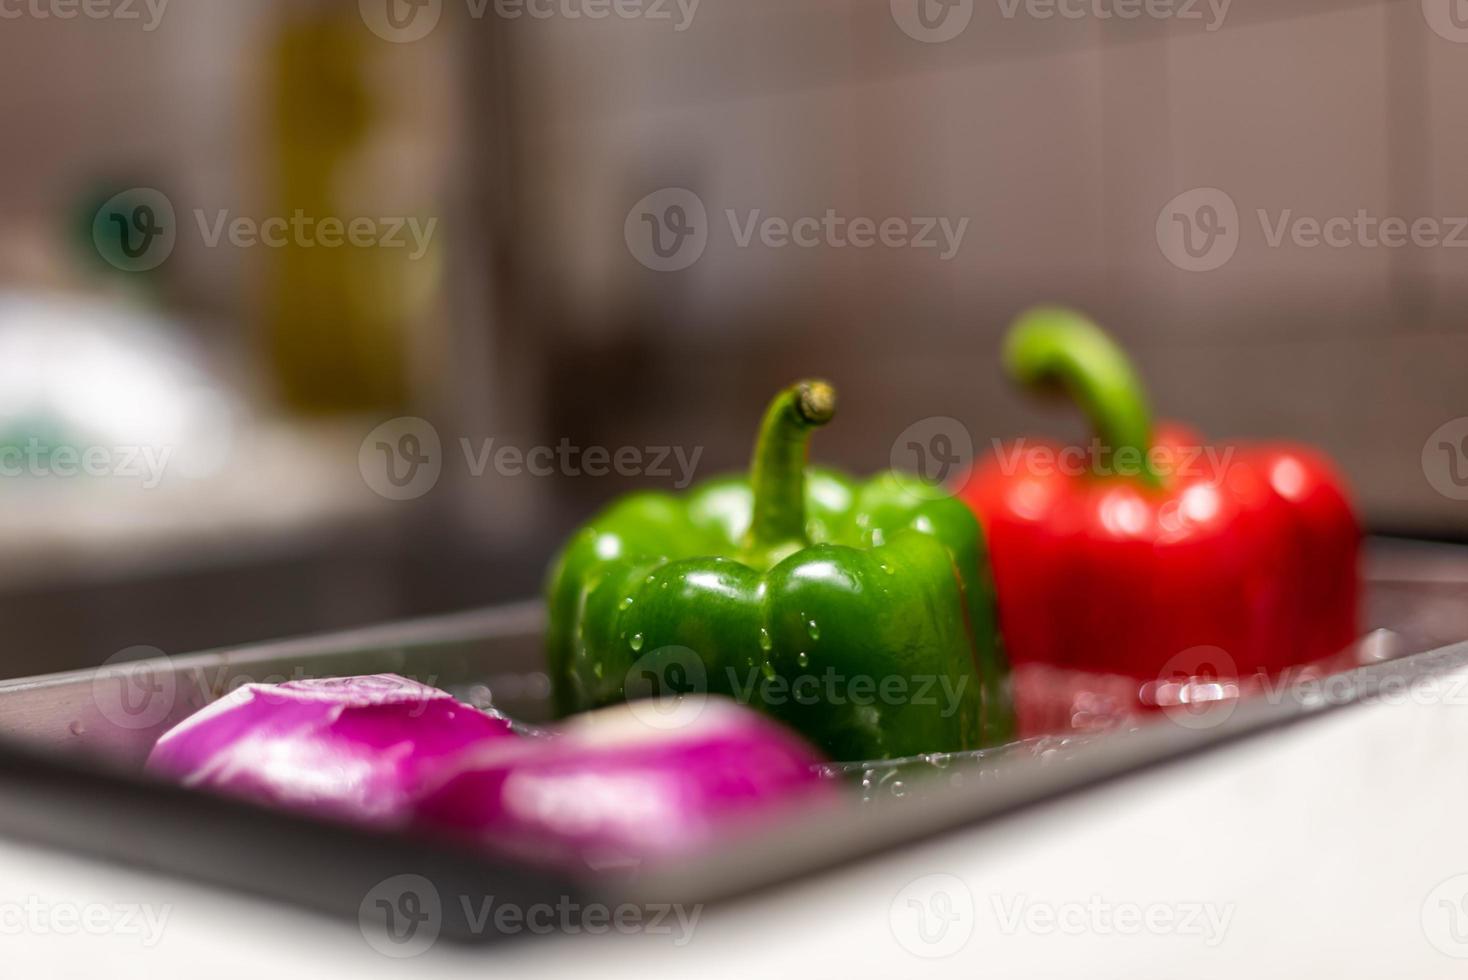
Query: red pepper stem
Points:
[1055, 346]
[777, 473]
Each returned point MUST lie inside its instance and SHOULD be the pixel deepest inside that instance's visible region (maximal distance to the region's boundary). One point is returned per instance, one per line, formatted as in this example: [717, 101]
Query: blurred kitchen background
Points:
[524, 146]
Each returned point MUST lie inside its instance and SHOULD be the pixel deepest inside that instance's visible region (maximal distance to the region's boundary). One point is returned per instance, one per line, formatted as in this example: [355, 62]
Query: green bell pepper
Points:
[859, 613]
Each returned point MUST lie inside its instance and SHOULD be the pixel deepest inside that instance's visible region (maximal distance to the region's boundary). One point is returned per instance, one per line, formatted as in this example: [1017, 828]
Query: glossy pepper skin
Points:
[1239, 560]
[858, 613]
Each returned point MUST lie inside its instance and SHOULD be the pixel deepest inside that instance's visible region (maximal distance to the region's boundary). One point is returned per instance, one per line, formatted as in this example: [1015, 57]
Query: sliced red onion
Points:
[356, 748]
[606, 788]
[610, 789]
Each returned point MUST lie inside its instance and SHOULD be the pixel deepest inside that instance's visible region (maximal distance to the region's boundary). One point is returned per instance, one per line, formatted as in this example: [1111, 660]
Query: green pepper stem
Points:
[777, 473]
[1056, 346]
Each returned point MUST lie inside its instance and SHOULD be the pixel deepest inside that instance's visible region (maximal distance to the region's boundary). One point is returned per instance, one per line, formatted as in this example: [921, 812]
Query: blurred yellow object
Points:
[336, 316]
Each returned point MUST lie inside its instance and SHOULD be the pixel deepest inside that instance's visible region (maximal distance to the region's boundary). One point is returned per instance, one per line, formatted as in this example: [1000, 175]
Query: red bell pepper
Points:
[1147, 555]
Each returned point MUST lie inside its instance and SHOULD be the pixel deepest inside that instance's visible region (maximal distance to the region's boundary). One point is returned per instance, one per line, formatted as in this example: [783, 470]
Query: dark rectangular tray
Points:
[72, 747]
